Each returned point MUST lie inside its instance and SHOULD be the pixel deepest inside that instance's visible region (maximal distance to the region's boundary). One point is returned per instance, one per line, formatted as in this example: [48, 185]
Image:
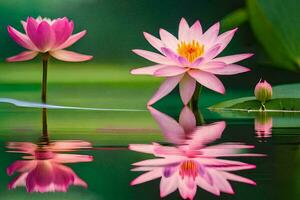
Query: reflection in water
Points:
[263, 125]
[43, 167]
[192, 162]
[175, 132]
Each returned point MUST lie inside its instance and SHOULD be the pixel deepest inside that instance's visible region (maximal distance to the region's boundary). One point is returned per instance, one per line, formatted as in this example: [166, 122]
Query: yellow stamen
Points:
[190, 50]
[189, 168]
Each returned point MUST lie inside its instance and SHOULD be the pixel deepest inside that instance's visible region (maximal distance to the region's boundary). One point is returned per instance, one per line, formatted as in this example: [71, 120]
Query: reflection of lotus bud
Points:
[263, 125]
[263, 91]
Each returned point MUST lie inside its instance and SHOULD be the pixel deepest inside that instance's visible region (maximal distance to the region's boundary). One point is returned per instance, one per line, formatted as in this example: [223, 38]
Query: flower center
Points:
[189, 168]
[190, 50]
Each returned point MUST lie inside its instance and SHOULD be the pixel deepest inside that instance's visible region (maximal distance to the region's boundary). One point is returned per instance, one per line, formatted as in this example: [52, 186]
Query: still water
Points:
[88, 154]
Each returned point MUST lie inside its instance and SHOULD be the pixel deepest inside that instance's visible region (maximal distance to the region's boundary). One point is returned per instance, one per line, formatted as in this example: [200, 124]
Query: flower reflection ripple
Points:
[43, 166]
[193, 161]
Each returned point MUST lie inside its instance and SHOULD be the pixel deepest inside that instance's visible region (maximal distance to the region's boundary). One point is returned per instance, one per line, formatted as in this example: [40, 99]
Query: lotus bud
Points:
[263, 91]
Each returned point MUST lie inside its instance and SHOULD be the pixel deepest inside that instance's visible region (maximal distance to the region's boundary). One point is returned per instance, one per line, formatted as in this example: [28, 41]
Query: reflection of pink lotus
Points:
[43, 35]
[44, 170]
[190, 58]
[263, 127]
[173, 131]
[194, 164]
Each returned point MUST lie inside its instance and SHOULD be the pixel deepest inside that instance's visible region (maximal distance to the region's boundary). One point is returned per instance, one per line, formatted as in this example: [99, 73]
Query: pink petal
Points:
[142, 169]
[187, 87]
[166, 87]
[197, 62]
[155, 42]
[63, 176]
[221, 182]
[148, 176]
[147, 70]
[237, 178]
[20, 166]
[236, 168]
[187, 119]
[212, 52]
[71, 40]
[40, 177]
[70, 56]
[79, 182]
[169, 71]
[166, 151]
[18, 181]
[201, 182]
[168, 39]
[159, 162]
[26, 147]
[206, 134]
[212, 65]
[143, 148]
[183, 61]
[208, 80]
[233, 58]
[62, 30]
[31, 28]
[72, 158]
[154, 57]
[210, 36]
[66, 145]
[170, 54]
[24, 24]
[44, 37]
[228, 70]
[225, 38]
[25, 55]
[20, 38]
[168, 185]
[195, 31]
[170, 127]
[187, 188]
[183, 30]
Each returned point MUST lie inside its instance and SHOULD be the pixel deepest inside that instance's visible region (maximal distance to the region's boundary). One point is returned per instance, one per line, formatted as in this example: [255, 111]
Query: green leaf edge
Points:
[230, 105]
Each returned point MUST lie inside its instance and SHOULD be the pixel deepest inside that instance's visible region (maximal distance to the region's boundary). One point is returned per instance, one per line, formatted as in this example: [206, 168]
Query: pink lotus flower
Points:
[44, 169]
[43, 35]
[194, 164]
[190, 58]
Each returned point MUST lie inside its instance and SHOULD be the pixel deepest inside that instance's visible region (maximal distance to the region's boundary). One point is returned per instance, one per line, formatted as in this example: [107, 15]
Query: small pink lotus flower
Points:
[43, 35]
[263, 91]
[44, 169]
[190, 58]
[48, 37]
[194, 164]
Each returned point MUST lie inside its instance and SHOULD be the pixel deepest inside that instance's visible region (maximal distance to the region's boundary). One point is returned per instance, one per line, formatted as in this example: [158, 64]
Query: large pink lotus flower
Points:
[44, 169]
[190, 58]
[194, 164]
[43, 35]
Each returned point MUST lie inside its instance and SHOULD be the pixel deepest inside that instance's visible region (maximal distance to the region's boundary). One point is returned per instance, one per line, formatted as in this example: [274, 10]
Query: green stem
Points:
[44, 81]
[199, 117]
[45, 136]
[193, 104]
